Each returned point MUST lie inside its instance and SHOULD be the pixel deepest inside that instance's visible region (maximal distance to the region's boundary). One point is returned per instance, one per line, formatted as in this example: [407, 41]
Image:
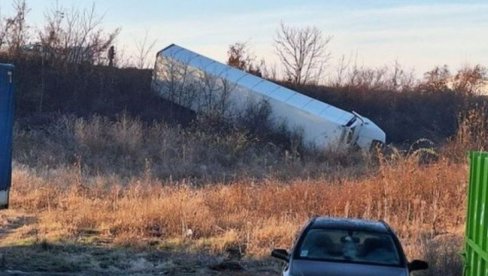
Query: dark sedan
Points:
[340, 246]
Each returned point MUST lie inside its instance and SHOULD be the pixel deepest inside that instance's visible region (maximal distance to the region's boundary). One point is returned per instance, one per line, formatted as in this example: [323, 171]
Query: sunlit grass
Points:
[246, 216]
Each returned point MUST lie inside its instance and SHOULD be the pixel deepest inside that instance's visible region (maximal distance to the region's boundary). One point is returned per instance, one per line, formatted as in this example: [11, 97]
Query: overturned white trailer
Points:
[205, 85]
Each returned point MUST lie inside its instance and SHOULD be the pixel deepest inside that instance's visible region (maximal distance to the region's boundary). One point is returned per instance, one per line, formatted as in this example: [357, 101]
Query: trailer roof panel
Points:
[298, 101]
[243, 78]
[213, 68]
[267, 87]
[315, 107]
[258, 85]
[202, 63]
[282, 94]
[338, 115]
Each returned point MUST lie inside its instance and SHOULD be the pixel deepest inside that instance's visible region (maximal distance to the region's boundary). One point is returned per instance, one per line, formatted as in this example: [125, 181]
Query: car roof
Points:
[350, 224]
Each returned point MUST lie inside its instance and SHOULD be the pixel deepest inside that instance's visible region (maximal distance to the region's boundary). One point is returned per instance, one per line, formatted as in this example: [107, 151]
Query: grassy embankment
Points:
[126, 183]
[83, 180]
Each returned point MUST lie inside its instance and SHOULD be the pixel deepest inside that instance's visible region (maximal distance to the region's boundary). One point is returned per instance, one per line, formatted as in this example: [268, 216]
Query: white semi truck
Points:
[205, 85]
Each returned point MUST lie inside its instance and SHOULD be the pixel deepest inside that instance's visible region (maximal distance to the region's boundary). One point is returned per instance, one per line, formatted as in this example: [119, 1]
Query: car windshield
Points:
[349, 246]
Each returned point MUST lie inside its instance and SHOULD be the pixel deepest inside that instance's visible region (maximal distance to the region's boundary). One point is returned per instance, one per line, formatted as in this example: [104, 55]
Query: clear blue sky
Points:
[419, 34]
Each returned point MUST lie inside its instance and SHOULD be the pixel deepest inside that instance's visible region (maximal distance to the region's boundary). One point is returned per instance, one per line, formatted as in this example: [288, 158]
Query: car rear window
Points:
[348, 246]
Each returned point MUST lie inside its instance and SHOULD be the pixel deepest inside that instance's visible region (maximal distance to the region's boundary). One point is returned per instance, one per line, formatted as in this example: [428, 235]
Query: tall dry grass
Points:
[419, 202]
[202, 153]
[129, 183]
[471, 134]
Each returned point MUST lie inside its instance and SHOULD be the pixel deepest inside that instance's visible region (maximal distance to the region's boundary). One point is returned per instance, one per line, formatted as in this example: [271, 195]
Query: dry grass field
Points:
[98, 218]
[420, 202]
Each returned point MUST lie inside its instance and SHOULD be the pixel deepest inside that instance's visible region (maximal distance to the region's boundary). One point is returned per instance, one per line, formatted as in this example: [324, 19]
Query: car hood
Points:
[311, 268]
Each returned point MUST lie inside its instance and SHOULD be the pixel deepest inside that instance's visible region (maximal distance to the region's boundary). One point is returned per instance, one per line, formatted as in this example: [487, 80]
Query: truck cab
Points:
[363, 133]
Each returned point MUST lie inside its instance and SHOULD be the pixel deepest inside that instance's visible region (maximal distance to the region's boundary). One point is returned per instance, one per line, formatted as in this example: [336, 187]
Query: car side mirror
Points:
[417, 265]
[281, 254]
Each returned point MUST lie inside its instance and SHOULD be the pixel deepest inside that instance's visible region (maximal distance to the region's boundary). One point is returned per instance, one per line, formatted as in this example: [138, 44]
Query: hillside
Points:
[104, 169]
[44, 92]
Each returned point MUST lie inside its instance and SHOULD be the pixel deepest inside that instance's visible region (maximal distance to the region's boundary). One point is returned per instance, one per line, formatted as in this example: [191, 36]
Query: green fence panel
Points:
[476, 236]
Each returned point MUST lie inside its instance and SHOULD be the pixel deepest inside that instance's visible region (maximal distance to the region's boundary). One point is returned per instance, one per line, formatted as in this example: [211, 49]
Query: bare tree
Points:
[3, 29]
[303, 52]
[144, 49]
[399, 79]
[341, 71]
[269, 72]
[75, 36]
[469, 80]
[15, 29]
[122, 59]
[240, 56]
[436, 79]
[364, 78]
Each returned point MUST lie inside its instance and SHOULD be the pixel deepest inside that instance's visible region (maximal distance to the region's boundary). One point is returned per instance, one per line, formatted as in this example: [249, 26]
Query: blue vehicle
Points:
[6, 125]
[342, 247]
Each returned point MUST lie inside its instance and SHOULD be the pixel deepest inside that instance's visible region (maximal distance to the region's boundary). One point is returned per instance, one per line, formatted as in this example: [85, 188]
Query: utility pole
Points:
[111, 56]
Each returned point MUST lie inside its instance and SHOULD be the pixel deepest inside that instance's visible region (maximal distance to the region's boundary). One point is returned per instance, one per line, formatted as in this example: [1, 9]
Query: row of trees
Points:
[58, 82]
[302, 51]
[13, 29]
[77, 36]
[68, 36]
[303, 54]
